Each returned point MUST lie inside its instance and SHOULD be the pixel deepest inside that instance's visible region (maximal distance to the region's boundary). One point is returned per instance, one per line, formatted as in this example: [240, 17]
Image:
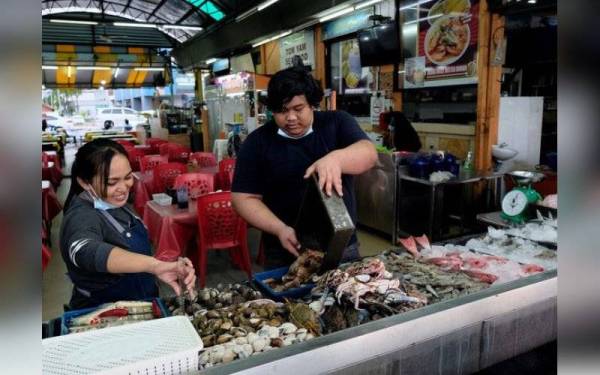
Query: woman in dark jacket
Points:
[103, 242]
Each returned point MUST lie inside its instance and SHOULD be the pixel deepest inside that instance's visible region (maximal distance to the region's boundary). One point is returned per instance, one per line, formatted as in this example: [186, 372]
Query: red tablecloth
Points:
[142, 189]
[52, 173]
[170, 228]
[50, 204]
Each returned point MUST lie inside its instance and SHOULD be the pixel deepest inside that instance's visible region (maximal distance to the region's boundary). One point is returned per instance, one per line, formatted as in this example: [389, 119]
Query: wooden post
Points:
[491, 27]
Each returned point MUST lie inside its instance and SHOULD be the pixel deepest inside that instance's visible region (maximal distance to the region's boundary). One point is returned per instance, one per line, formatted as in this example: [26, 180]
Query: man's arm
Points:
[354, 159]
[257, 214]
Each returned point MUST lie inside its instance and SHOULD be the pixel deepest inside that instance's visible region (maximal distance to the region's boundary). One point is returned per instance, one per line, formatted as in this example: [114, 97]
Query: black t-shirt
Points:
[273, 166]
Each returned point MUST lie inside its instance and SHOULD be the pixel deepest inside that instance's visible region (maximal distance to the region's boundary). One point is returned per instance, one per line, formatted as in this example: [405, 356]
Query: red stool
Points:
[221, 228]
[135, 155]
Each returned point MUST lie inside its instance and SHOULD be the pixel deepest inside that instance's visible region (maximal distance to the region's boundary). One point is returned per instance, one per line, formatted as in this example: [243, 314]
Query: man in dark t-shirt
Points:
[277, 158]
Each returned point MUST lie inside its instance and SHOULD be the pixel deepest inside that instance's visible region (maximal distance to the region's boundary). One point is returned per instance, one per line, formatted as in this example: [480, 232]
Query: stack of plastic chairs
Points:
[148, 162]
[226, 170]
[221, 228]
[203, 159]
[165, 174]
[178, 153]
[197, 184]
[154, 143]
[135, 155]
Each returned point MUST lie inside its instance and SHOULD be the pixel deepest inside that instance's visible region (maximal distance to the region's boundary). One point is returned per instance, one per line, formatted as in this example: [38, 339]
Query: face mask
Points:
[100, 204]
[284, 134]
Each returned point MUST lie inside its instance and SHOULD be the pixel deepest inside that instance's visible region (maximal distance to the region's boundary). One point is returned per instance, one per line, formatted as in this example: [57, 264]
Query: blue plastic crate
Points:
[277, 273]
[69, 315]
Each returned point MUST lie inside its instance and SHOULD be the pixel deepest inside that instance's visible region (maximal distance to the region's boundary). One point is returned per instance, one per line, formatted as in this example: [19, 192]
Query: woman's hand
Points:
[172, 272]
[329, 170]
[287, 237]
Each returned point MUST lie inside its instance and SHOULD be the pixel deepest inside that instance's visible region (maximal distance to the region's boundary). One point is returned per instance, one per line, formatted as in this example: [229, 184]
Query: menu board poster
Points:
[298, 44]
[448, 42]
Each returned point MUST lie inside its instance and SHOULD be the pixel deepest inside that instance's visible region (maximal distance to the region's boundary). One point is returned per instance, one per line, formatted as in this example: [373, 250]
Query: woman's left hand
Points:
[172, 272]
[329, 170]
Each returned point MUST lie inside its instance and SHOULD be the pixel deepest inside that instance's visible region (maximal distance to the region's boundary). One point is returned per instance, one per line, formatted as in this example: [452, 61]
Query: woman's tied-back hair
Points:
[93, 159]
[287, 83]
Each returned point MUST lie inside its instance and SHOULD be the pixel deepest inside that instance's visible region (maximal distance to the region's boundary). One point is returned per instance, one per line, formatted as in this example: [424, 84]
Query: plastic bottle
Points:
[468, 163]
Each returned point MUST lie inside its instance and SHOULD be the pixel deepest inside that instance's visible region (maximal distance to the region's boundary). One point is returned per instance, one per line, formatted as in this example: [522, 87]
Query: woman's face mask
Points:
[99, 203]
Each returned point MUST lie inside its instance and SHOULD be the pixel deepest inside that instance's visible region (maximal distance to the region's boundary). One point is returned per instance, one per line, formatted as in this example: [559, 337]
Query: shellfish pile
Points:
[214, 298]
[300, 272]
[265, 339]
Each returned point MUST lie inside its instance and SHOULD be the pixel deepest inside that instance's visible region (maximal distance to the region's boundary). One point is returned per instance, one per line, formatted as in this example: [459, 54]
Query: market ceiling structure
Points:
[132, 38]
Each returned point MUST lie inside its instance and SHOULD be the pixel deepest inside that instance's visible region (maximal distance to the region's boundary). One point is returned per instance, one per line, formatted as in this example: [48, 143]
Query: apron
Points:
[131, 286]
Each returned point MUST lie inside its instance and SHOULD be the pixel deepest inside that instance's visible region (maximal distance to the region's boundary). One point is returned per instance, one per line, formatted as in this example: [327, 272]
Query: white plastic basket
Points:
[162, 199]
[161, 346]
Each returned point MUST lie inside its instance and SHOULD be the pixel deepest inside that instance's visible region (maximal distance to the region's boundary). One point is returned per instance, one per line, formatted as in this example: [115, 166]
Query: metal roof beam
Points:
[156, 9]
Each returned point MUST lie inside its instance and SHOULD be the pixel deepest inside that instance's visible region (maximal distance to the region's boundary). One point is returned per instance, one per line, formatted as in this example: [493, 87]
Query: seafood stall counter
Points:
[446, 315]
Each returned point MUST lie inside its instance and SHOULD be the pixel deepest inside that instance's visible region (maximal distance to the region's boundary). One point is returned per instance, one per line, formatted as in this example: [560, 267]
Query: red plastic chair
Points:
[46, 255]
[203, 159]
[178, 153]
[149, 162]
[163, 149]
[226, 170]
[135, 155]
[197, 184]
[126, 144]
[165, 174]
[154, 143]
[221, 228]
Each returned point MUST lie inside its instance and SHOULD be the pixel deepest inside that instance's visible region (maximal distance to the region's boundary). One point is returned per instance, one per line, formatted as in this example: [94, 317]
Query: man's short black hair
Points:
[290, 82]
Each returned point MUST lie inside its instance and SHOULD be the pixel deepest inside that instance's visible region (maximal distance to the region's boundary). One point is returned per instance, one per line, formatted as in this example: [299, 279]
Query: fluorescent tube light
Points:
[532, 1]
[149, 69]
[245, 15]
[336, 14]
[93, 67]
[56, 20]
[266, 4]
[135, 24]
[49, 67]
[117, 72]
[414, 4]
[366, 4]
[182, 27]
[69, 71]
[286, 33]
[210, 61]
[423, 19]
[103, 82]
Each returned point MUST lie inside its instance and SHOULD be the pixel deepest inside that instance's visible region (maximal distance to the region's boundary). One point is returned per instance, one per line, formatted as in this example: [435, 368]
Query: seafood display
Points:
[300, 272]
[114, 314]
[447, 39]
[433, 282]
[213, 298]
[497, 242]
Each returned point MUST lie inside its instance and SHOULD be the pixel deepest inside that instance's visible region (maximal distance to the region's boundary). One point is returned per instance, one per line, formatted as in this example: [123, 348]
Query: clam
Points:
[241, 340]
[245, 351]
[252, 337]
[259, 344]
[216, 354]
[204, 357]
[204, 295]
[300, 331]
[309, 336]
[212, 314]
[208, 340]
[277, 342]
[363, 278]
[255, 321]
[287, 328]
[301, 337]
[226, 325]
[228, 356]
[275, 322]
[288, 341]
[238, 332]
[224, 338]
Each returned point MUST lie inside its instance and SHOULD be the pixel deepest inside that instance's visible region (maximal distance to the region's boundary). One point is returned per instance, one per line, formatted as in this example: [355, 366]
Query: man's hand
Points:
[172, 272]
[329, 170]
[287, 237]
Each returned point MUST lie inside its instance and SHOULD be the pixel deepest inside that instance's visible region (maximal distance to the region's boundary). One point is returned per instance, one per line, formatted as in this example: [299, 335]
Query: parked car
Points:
[118, 115]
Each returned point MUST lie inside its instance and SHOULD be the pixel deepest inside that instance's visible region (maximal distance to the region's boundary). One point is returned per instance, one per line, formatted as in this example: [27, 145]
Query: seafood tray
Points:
[165, 346]
[259, 279]
[158, 309]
